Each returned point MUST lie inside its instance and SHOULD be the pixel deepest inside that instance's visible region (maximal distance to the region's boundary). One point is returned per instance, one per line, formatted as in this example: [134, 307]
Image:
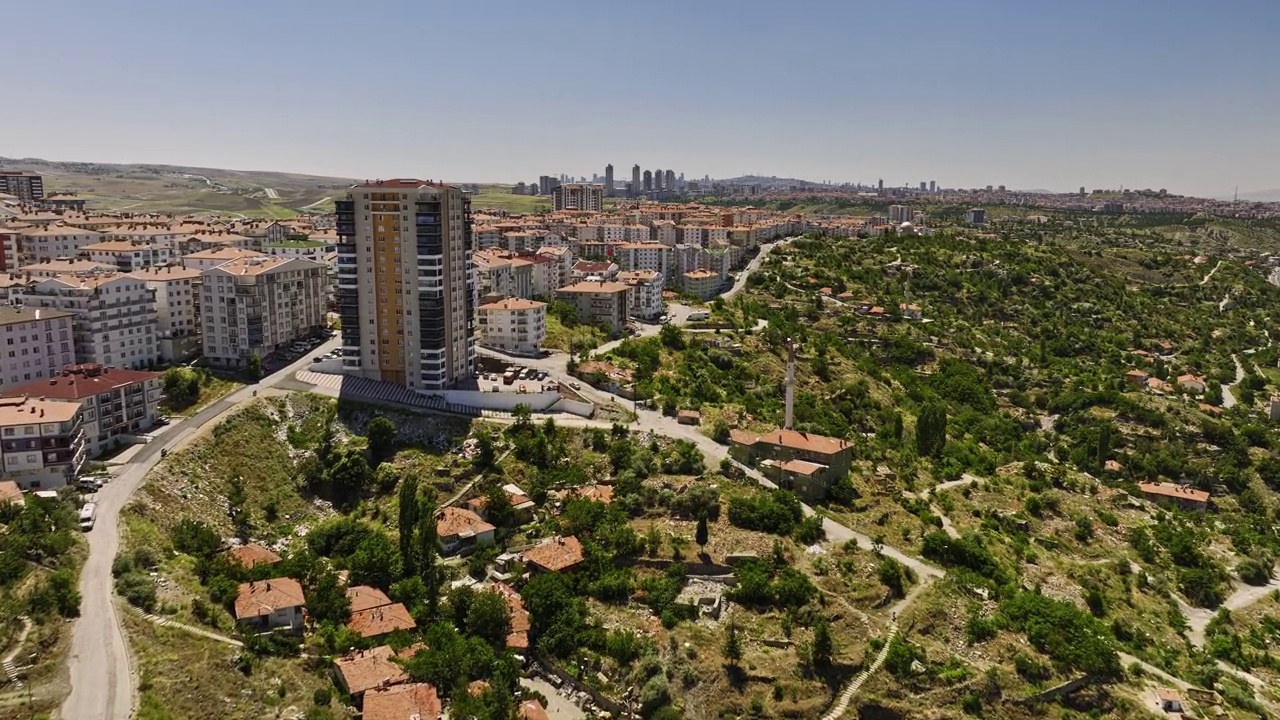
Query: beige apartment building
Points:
[115, 315]
[177, 309]
[259, 306]
[127, 256]
[514, 325]
[702, 284]
[600, 302]
[405, 283]
[42, 444]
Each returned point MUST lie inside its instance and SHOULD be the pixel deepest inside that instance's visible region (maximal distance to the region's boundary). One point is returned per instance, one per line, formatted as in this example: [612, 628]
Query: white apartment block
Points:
[665, 232]
[715, 235]
[34, 343]
[42, 442]
[514, 325]
[692, 235]
[645, 256]
[644, 295]
[163, 235]
[127, 256]
[115, 315]
[493, 273]
[259, 306]
[638, 233]
[54, 268]
[486, 237]
[312, 250]
[177, 296]
[53, 241]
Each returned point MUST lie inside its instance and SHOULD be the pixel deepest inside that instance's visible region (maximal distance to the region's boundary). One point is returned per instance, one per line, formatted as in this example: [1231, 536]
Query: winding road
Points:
[102, 676]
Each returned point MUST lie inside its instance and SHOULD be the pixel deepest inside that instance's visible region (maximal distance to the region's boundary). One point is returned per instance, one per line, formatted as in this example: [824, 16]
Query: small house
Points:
[366, 670]
[1191, 383]
[459, 530]
[689, 417]
[557, 554]
[252, 555]
[412, 701]
[1182, 496]
[1170, 701]
[271, 604]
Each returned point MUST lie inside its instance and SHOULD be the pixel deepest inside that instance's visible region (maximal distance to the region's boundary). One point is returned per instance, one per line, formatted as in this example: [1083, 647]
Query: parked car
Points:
[575, 386]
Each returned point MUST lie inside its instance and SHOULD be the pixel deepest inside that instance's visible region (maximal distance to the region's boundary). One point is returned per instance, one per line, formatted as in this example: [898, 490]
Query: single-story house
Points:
[1183, 496]
[365, 670]
[1170, 701]
[1136, 378]
[1191, 383]
[520, 502]
[378, 621]
[365, 597]
[460, 530]
[555, 554]
[271, 604]
[402, 702]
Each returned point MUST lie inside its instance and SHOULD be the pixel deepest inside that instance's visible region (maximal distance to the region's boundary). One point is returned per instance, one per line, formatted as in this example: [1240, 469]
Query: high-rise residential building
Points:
[880, 185]
[657, 180]
[546, 184]
[42, 441]
[1082, 192]
[576, 196]
[177, 309]
[976, 216]
[259, 306]
[26, 186]
[405, 283]
[635, 179]
[923, 186]
[670, 182]
[608, 180]
[933, 186]
[648, 180]
[899, 213]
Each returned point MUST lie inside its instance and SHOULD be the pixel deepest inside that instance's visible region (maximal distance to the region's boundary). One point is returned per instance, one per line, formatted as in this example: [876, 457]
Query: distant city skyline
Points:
[1178, 95]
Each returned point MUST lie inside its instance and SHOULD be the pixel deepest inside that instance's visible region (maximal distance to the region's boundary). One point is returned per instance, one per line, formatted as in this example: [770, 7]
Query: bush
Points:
[321, 696]
[810, 530]
[195, 538]
[1256, 571]
[1062, 631]
[138, 589]
[775, 511]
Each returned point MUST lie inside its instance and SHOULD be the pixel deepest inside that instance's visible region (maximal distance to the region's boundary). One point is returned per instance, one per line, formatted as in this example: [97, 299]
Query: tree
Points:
[700, 535]
[931, 429]
[253, 367]
[408, 522]
[671, 337]
[823, 645]
[486, 454]
[426, 553]
[382, 439]
[327, 599]
[195, 538]
[498, 509]
[489, 617]
[732, 644]
[181, 386]
[348, 473]
[1213, 393]
[376, 562]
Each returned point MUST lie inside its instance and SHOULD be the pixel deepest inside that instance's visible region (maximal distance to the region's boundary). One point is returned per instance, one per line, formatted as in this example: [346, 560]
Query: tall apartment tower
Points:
[405, 284]
[933, 186]
[635, 179]
[27, 186]
[608, 181]
[669, 182]
[648, 180]
[657, 180]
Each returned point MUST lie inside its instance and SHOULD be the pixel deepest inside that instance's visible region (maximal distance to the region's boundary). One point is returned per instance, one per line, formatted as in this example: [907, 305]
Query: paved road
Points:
[1229, 398]
[102, 682]
[751, 267]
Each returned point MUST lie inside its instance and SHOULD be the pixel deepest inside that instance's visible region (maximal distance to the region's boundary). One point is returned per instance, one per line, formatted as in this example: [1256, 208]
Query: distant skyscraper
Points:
[1001, 188]
[933, 186]
[635, 179]
[657, 180]
[1082, 192]
[648, 180]
[989, 188]
[608, 181]
[923, 186]
[880, 185]
[576, 196]
[899, 213]
[546, 184]
[670, 181]
[976, 216]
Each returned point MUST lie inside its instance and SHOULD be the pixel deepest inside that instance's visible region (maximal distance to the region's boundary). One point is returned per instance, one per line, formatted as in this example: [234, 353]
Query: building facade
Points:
[115, 315]
[578, 197]
[177, 292]
[26, 186]
[34, 343]
[514, 325]
[598, 302]
[115, 404]
[259, 306]
[405, 284]
[42, 442]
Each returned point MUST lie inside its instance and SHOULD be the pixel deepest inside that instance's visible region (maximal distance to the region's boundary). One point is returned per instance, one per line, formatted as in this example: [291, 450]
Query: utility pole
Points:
[791, 385]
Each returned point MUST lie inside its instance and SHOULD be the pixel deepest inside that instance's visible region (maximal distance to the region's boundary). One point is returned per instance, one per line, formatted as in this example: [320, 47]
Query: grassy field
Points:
[212, 391]
[560, 337]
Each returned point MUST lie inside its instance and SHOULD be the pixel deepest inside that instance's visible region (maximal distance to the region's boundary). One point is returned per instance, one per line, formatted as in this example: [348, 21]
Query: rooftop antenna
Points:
[791, 384]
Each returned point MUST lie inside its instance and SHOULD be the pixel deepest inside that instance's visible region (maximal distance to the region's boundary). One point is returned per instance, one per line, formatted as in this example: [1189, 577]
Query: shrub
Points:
[138, 589]
[195, 538]
[776, 511]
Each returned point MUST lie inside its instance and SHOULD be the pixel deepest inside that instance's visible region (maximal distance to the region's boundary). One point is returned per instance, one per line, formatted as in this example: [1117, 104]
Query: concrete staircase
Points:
[10, 670]
[846, 696]
[166, 622]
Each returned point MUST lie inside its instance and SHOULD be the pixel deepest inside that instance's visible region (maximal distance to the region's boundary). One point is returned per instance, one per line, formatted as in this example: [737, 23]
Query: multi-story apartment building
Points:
[26, 186]
[53, 241]
[115, 404]
[54, 268]
[206, 259]
[645, 297]
[313, 250]
[177, 292]
[34, 343]
[665, 232]
[42, 442]
[644, 256]
[115, 315]
[514, 325]
[259, 306]
[405, 283]
[493, 273]
[600, 302]
[127, 256]
[702, 284]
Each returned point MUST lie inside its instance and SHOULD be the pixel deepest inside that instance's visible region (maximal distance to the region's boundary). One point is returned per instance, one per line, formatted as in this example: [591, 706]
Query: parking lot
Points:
[513, 378]
[300, 348]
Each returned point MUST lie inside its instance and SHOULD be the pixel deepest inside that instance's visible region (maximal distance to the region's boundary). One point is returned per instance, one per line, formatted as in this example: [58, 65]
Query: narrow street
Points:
[102, 675]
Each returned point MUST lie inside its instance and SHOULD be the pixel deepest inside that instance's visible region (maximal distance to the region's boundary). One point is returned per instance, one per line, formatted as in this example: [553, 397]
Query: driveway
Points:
[102, 682]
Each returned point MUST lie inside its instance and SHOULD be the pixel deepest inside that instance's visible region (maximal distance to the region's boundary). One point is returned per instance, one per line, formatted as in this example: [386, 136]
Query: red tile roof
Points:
[556, 554]
[364, 597]
[252, 554]
[369, 669]
[381, 620]
[402, 702]
[1180, 492]
[77, 382]
[264, 597]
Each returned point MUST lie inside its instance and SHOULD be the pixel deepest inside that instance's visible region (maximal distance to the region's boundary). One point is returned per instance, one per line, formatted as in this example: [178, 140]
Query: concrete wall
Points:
[506, 400]
[574, 407]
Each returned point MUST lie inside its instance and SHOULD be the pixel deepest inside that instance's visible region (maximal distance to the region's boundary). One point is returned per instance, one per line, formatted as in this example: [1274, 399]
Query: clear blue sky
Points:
[1179, 94]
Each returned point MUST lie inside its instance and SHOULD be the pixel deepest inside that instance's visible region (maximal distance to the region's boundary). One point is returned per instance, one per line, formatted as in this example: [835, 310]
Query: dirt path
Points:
[1209, 274]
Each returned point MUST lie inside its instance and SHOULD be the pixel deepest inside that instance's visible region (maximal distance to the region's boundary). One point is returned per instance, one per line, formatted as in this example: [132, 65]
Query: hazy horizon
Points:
[1174, 95]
